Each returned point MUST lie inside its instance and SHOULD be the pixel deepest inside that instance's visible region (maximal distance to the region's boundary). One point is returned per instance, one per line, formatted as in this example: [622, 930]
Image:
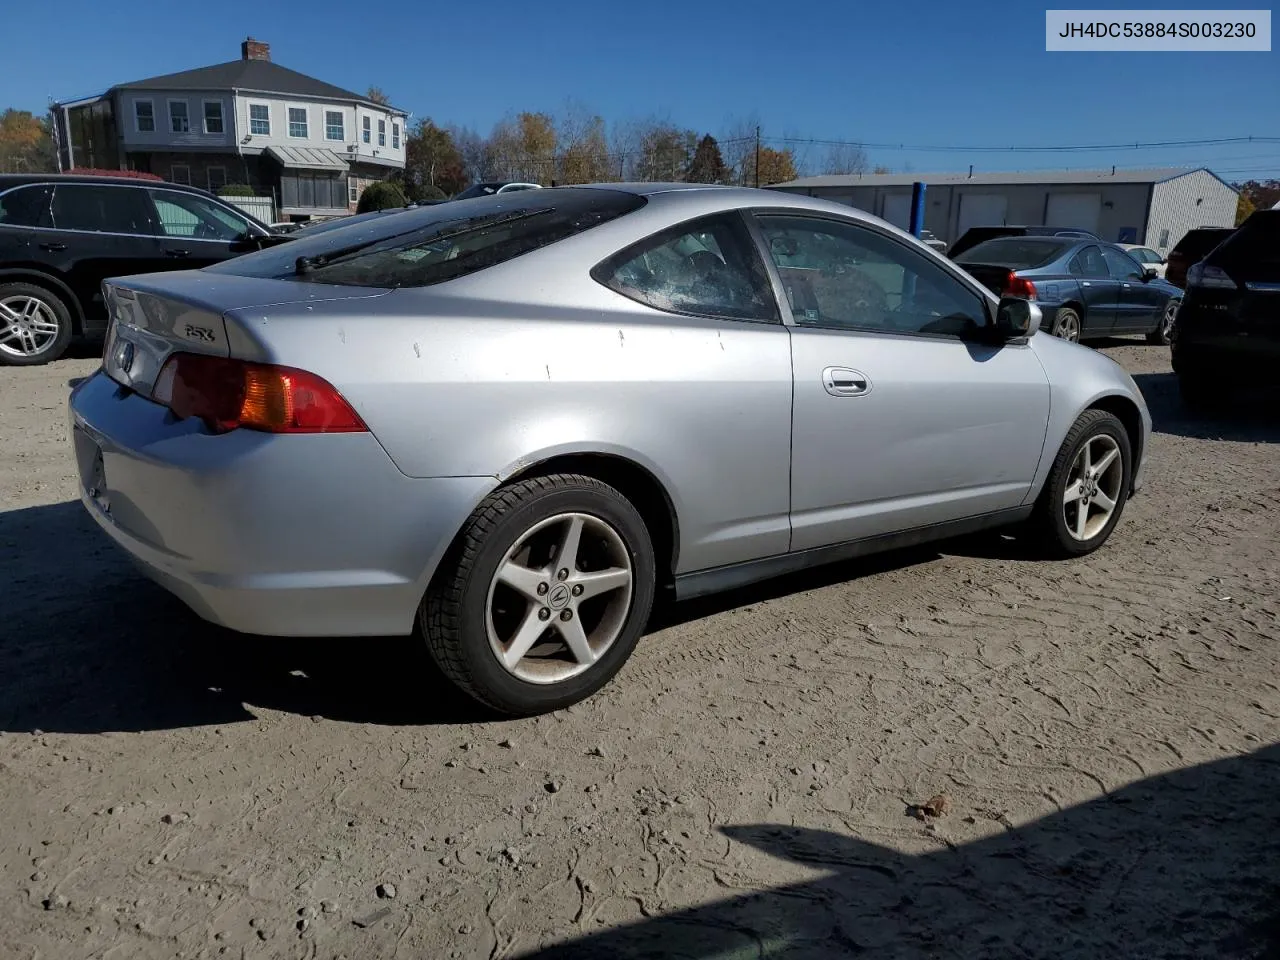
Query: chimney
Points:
[253, 49]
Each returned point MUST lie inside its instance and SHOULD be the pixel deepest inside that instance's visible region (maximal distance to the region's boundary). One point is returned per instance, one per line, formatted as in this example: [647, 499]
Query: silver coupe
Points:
[510, 422]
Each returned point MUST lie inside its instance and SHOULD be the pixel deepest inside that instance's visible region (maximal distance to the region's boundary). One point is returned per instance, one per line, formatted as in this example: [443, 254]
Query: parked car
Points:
[976, 235]
[1228, 331]
[511, 423]
[1145, 256]
[489, 188]
[929, 240]
[1192, 248]
[62, 235]
[1085, 289]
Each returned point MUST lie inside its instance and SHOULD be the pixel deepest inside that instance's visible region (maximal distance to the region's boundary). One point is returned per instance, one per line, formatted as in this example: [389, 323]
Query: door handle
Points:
[177, 253]
[845, 382]
[54, 247]
[1125, 285]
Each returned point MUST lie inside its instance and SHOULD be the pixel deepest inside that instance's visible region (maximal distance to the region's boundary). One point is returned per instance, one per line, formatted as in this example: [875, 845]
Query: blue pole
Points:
[917, 208]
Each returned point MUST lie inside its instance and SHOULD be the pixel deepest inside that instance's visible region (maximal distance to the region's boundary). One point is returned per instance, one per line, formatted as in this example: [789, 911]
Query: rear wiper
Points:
[305, 265]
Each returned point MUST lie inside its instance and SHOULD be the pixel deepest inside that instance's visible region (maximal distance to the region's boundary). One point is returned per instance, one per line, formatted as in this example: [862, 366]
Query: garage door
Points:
[1074, 210]
[982, 210]
[897, 210]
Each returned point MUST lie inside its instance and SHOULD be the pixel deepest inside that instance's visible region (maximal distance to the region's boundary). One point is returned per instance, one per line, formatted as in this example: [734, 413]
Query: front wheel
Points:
[543, 596]
[1087, 487]
[1163, 334]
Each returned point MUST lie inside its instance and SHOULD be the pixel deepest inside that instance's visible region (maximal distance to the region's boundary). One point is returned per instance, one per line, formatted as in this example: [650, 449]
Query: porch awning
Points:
[307, 158]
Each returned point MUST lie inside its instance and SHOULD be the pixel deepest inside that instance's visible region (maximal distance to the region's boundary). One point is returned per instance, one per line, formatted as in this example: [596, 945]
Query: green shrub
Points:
[380, 196]
[237, 190]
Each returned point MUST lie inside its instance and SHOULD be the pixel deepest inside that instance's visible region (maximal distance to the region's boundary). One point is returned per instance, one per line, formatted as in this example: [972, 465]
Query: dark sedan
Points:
[1085, 289]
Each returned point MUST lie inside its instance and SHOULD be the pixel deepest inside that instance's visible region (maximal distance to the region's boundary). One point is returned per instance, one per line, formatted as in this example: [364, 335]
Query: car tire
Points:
[1066, 325]
[503, 579]
[1056, 523]
[1163, 334]
[35, 325]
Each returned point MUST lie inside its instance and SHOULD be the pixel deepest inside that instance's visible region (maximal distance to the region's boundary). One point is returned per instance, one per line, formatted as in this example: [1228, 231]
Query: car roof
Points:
[8, 180]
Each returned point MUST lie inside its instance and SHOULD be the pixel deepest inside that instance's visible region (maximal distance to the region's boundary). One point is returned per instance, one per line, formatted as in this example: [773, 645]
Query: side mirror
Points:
[1148, 273]
[1016, 318]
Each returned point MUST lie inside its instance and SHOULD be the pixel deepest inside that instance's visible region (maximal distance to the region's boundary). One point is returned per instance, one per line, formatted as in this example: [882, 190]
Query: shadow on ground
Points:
[1181, 865]
[1249, 416]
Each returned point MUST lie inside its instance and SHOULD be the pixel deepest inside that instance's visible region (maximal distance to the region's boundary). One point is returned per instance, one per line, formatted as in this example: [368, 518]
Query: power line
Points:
[1062, 148]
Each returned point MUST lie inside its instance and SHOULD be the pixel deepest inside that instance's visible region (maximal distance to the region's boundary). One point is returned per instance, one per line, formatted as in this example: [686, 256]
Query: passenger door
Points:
[900, 419]
[1097, 290]
[22, 209]
[1138, 304]
[98, 231]
[196, 231]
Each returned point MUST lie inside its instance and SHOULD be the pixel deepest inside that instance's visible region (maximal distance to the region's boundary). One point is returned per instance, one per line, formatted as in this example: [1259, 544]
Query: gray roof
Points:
[1151, 175]
[261, 76]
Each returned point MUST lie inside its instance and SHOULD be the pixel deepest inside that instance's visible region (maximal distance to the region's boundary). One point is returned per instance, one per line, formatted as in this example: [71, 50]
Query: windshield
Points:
[1018, 253]
[437, 243]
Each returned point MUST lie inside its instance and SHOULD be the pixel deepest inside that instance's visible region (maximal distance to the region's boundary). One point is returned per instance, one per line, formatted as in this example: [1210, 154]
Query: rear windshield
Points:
[437, 243]
[1255, 244]
[1196, 243]
[1020, 253]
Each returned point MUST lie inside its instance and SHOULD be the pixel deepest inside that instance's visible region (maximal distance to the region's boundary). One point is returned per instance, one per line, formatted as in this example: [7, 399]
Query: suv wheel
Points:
[543, 596]
[35, 325]
[1087, 486]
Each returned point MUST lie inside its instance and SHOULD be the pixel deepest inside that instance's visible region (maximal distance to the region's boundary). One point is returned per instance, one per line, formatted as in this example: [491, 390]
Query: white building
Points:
[309, 144]
[1152, 207]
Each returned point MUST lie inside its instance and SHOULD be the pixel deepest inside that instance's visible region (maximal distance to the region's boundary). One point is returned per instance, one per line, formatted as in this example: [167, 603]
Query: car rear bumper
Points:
[303, 535]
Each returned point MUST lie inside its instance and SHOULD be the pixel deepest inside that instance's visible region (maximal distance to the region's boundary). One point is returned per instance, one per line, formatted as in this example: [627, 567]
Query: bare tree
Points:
[845, 158]
[738, 146]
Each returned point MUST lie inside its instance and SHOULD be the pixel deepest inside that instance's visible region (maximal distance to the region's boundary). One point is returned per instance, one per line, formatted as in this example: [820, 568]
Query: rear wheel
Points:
[543, 596]
[1087, 487]
[1066, 324]
[35, 325]
[1163, 334]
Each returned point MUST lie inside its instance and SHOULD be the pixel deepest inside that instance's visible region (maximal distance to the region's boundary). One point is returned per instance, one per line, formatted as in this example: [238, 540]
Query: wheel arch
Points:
[635, 482]
[1126, 411]
[51, 283]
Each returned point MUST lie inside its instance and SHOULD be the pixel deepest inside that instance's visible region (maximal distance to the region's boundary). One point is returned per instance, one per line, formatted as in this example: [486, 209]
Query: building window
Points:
[217, 178]
[353, 190]
[333, 128]
[180, 173]
[382, 133]
[179, 121]
[298, 123]
[395, 136]
[368, 126]
[144, 116]
[213, 116]
[259, 119]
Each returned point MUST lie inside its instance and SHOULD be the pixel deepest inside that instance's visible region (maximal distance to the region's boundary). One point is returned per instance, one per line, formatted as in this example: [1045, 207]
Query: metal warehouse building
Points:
[1152, 207]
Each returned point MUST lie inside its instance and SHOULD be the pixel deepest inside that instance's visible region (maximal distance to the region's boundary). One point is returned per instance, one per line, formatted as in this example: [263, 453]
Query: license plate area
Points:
[93, 471]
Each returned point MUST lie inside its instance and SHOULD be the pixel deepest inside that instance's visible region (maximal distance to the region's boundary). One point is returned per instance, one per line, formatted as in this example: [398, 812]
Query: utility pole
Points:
[757, 156]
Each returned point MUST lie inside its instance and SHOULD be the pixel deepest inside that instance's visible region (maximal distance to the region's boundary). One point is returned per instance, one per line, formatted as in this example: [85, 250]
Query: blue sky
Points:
[944, 73]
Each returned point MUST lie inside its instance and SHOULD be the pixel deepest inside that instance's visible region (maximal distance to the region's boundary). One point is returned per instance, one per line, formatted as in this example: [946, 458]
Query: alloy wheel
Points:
[1068, 327]
[28, 326]
[1168, 320]
[1093, 487]
[559, 598]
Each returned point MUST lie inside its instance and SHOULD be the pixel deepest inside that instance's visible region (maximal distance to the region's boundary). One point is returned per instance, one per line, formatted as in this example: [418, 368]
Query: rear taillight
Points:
[227, 394]
[1204, 276]
[1020, 287]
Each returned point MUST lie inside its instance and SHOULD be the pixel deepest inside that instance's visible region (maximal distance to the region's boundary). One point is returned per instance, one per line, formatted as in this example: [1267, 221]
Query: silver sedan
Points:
[510, 422]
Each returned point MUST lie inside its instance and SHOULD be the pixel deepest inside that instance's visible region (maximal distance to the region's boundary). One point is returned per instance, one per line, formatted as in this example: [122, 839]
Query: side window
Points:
[194, 217]
[842, 275]
[708, 267]
[82, 206]
[1120, 265]
[1091, 263]
[26, 207]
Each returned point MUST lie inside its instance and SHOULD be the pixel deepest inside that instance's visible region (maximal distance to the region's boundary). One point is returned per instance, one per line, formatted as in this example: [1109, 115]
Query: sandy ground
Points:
[1107, 732]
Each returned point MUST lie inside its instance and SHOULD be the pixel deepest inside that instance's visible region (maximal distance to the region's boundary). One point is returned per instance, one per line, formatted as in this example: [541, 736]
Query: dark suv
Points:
[61, 236]
[1228, 329]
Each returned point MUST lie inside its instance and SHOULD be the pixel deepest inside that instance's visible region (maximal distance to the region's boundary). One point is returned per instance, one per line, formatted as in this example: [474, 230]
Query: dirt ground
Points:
[1107, 733]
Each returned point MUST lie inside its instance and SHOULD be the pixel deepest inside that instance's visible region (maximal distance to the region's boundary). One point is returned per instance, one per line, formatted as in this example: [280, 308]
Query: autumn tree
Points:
[26, 145]
[707, 165]
[665, 152]
[776, 166]
[432, 159]
[1244, 208]
[523, 148]
[583, 146]
[1263, 194]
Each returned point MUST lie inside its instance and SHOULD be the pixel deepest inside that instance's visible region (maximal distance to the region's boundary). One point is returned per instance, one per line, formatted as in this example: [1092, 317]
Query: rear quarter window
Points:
[431, 245]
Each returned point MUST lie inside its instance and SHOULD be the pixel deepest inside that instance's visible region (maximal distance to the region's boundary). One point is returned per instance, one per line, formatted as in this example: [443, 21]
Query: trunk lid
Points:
[155, 315]
[992, 276]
